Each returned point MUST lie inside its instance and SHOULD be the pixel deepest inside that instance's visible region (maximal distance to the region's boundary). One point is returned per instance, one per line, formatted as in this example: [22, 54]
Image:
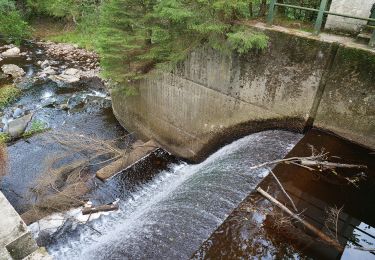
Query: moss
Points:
[8, 94]
[361, 61]
[37, 126]
[4, 138]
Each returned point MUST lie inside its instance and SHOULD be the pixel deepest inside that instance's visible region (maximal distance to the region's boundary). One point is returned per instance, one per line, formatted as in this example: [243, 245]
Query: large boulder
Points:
[13, 70]
[69, 76]
[18, 126]
[13, 52]
[64, 78]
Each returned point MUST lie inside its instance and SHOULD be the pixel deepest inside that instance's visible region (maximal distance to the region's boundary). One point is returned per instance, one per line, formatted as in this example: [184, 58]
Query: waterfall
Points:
[170, 216]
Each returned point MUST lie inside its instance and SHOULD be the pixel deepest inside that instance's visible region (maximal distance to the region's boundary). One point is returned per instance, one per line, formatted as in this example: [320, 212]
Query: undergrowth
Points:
[37, 126]
[8, 94]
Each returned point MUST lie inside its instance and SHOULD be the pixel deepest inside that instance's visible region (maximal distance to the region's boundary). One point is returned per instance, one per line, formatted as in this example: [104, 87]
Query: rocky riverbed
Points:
[59, 91]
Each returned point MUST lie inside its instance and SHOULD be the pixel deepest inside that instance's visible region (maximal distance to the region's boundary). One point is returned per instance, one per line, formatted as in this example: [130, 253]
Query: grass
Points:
[85, 41]
[59, 31]
[8, 94]
[37, 126]
[4, 138]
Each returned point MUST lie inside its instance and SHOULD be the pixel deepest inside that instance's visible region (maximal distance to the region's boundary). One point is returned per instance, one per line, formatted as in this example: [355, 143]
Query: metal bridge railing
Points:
[319, 20]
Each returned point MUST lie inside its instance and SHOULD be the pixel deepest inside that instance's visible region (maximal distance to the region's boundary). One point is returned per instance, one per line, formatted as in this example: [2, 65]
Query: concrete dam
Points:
[299, 81]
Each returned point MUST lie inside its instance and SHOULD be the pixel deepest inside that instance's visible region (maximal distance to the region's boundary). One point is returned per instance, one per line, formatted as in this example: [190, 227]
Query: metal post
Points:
[319, 19]
[372, 40]
[271, 12]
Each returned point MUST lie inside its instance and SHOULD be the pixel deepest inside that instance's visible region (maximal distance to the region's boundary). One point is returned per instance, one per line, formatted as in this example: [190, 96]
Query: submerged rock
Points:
[13, 70]
[13, 52]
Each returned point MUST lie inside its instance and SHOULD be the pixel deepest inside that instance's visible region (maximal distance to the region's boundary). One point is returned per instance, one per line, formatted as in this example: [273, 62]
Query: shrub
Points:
[12, 24]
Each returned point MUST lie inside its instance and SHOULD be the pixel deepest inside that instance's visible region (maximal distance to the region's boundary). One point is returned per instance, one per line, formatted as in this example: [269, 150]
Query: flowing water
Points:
[170, 216]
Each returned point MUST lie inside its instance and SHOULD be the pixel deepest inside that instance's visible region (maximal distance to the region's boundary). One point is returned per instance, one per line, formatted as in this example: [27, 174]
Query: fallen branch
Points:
[325, 165]
[308, 163]
[310, 227]
[318, 162]
[365, 249]
[102, 208]
[284, 191]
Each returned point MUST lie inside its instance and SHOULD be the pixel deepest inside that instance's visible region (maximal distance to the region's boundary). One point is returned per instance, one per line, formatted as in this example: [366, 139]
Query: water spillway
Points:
[173, 214]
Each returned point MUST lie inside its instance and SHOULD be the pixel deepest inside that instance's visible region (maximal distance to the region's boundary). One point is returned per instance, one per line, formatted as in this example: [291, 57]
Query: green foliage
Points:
[8, 94]
[37, 126]
[73, 10]
[12, 24]
[244, 41]
[137, 36]
[4, 138]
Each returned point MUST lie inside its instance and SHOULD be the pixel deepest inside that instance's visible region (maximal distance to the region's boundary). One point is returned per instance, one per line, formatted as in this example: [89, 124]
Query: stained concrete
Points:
[16, 242]
[211, 98]
[359, 8]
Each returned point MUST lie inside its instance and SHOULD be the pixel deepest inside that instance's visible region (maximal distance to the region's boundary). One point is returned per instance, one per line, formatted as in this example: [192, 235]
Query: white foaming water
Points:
[172, 215]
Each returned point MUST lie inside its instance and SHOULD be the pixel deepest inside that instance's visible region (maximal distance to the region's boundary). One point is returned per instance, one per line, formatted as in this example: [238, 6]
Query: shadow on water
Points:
[249, 232]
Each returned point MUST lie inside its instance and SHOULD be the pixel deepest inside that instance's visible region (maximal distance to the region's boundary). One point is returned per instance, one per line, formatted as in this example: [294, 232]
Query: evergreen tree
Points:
[137, 36]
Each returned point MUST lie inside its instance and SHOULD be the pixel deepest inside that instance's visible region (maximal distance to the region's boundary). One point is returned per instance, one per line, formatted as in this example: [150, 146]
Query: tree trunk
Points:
[263, 8]
[251, 8]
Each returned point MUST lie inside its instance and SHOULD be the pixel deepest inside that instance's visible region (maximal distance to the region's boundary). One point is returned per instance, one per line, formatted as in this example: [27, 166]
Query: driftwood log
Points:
[101, 208]
[309, 226]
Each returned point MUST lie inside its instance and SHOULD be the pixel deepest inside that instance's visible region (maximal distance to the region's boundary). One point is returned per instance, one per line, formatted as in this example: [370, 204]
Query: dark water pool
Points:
[248, 233]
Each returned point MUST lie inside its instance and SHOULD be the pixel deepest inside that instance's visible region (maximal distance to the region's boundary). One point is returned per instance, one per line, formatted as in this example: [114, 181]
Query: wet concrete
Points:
[249, 232]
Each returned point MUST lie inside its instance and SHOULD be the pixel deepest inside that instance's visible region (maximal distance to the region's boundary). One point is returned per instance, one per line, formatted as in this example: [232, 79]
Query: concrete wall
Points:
[16, 242]
[361, 8]
[212, 99]
[347, 106]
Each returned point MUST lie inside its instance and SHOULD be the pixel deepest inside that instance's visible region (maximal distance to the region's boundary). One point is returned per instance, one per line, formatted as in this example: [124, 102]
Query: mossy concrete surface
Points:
[347, 107]
[211, 97]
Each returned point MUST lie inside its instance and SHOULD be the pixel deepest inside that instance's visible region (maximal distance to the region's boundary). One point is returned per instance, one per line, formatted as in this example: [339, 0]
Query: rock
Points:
[13, 52]
[49, 70]
[39, 62]
[18, 126]
[13, 70]
[44, 238]
[18, 112]
[45, 64]
[64, 107]
[64, 78]
[71, 72]
[1, 59]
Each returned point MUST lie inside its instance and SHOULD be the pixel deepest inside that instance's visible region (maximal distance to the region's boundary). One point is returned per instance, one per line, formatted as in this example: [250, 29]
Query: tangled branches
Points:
[318, 164]
[68, 177]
